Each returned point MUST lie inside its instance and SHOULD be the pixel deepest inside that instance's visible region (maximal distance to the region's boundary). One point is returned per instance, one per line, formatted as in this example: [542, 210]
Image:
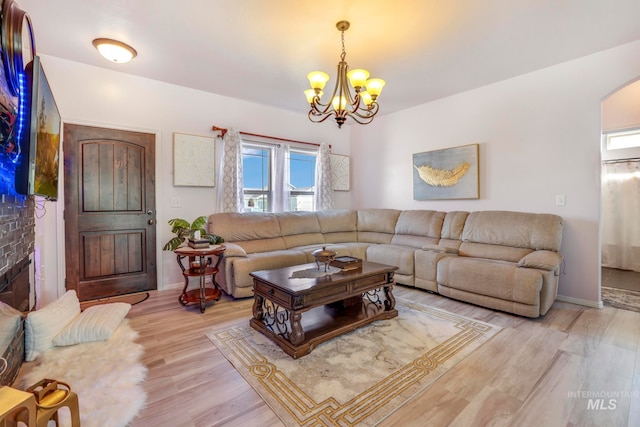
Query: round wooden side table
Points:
[200, 266]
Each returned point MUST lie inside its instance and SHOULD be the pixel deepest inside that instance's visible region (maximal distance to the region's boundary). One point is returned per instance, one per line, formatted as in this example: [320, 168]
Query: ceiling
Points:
[262, 50]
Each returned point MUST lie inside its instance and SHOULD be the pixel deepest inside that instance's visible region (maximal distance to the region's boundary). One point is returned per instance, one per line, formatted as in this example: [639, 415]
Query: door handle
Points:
[149, 212]
[151, 222]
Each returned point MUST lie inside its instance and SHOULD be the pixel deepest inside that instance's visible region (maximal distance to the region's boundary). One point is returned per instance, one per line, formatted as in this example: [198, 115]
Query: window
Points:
[302, 179]
[258, 175]
[256, 178]
[619, 140]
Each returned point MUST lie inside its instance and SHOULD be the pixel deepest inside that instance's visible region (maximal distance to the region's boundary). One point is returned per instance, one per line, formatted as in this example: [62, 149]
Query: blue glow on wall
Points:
[12, 121]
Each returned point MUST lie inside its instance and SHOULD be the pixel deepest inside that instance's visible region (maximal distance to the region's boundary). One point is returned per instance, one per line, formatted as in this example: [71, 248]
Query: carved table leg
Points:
[297, 334]
[258, 312]
[390, 301]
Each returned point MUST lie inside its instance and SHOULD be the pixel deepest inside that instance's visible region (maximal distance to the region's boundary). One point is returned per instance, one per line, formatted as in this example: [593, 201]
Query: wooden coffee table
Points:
[300, 313]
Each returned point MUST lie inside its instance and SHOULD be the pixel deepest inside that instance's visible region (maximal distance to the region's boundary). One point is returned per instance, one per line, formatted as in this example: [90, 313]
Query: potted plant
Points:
[183, 230]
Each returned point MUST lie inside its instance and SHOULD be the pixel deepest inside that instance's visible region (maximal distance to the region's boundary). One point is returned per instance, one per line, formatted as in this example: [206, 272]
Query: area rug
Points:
[621, 298]
[358, 378]
[106, 376]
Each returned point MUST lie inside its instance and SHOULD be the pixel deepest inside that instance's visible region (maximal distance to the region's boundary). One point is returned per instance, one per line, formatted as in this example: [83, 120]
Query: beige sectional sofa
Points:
[503, 260]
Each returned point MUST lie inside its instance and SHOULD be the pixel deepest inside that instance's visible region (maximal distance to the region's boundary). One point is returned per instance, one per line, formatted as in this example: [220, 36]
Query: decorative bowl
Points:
[324, 256]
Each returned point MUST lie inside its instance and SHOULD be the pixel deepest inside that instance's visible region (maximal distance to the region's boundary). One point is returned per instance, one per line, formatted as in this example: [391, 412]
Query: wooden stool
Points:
[16, 405]
[50, 398]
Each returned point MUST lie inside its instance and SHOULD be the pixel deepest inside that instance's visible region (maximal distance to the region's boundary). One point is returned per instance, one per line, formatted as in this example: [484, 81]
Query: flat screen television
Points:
[37, 173]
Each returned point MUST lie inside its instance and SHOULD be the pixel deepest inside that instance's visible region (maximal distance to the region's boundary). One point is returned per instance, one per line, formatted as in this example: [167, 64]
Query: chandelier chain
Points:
[344, 53]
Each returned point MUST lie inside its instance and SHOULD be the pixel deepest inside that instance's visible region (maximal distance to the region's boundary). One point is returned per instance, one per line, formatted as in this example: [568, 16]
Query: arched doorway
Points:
[620, 198]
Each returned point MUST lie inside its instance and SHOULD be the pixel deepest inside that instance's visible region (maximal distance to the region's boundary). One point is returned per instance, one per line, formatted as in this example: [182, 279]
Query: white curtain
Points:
[621, 215]
[230, 196]
[324, 197]
[282, 193]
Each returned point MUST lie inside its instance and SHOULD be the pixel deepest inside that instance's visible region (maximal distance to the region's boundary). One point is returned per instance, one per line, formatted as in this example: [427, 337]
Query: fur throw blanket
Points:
[106, 376]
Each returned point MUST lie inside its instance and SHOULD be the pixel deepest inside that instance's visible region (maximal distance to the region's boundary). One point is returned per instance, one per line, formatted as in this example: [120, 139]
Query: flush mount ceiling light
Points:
[361, 107]
[114, 50]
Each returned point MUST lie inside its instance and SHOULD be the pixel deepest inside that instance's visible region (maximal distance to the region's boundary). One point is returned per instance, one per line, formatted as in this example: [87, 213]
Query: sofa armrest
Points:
[440, 249]
[543, 260]
[234, 250]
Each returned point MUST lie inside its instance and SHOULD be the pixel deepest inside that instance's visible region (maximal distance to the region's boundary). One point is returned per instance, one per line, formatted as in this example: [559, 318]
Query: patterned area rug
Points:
[621, 298]
[358, 378]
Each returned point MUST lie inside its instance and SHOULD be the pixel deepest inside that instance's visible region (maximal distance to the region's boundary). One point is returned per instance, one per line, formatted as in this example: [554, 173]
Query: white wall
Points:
[95, 96]
[539, 136]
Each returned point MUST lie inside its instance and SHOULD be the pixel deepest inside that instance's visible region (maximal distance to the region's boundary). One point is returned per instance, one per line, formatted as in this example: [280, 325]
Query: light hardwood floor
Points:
[542, 372]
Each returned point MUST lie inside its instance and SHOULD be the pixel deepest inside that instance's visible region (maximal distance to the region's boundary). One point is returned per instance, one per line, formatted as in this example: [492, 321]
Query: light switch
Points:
[560, 200]
[176, 202]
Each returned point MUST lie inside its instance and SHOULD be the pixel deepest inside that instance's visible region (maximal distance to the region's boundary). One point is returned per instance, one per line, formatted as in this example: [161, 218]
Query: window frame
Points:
[311, 193]
[621, 134]
[269, 192]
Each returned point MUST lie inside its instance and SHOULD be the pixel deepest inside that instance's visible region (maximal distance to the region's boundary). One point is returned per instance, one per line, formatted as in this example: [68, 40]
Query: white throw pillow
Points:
[44, 324]
[96, 323]
[9, 320]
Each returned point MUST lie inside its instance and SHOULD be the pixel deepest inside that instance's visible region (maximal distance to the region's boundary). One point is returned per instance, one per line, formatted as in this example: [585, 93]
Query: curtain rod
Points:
[223, 131]
[632, 159]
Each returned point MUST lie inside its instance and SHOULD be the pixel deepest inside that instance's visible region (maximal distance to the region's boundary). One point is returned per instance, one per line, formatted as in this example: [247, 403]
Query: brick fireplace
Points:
[17, 239]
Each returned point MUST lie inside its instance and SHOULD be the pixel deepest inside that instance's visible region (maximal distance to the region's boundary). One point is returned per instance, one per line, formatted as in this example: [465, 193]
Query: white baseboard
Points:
[593, 304]
[177, 285]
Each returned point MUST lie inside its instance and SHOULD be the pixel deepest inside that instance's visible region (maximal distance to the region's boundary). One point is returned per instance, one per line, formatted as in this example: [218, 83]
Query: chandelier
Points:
[361, 106]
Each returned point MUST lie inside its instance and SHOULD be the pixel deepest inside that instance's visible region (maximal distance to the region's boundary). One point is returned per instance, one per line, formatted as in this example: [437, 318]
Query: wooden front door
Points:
[109, 199]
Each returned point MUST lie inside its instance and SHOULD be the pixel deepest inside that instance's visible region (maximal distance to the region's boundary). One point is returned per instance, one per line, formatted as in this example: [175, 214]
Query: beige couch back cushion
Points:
[338, 225]
[418, 228]
[518, 229]
[300, 228]
[377, 225]
[453, 225]
[253, 231]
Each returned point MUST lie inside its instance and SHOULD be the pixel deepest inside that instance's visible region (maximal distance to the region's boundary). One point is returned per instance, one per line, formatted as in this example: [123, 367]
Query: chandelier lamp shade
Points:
[361, 106]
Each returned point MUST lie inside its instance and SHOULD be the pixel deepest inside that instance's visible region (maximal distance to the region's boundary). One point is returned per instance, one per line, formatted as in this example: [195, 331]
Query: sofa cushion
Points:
[337, 220]
[232, 249]
[518, 229]
[298, 223]
[338, 225]
[453, 225]
[261, 245]
[497, 252]
[299, 228]
[544, 260]
[418, 228]
[496, 279]
[242, 267]
[399, 256]
[377, 225]
[44, 324]
[440, 249]
[261, 229]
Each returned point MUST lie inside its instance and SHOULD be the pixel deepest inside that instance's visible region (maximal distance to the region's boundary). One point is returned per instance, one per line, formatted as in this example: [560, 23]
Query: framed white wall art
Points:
[194, 159]
[340, 170]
